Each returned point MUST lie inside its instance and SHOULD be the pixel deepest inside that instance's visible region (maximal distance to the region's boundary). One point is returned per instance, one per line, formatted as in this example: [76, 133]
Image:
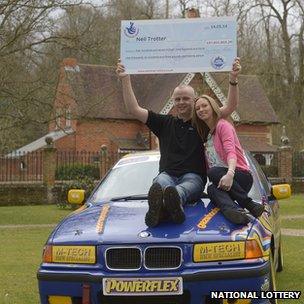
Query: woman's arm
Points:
[233, 91]
[226, 181]
[226, 133]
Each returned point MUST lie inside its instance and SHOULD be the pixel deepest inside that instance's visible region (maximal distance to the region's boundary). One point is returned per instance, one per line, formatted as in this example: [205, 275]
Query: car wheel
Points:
[272, 273]
[280, 259]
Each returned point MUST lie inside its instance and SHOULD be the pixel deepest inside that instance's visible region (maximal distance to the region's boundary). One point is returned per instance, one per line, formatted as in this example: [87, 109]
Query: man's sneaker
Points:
[172, 203]
[236, 216]
[155, 201]
[255, 209]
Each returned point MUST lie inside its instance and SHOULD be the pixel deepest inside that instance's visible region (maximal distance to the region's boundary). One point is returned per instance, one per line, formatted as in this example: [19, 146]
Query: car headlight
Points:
[69, 254]
[224, 251]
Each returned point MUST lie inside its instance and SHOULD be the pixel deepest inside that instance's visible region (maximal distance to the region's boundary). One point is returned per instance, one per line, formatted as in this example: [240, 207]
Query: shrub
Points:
[77, 171]
[298, 164]
[270, 171]
[86, 183]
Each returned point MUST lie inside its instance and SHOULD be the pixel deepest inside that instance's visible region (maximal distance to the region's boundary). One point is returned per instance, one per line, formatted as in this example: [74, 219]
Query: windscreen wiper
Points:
[129, 197]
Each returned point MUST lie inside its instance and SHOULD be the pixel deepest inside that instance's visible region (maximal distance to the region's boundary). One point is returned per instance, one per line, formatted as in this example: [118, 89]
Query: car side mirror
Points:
[76, 196]
[281, 191]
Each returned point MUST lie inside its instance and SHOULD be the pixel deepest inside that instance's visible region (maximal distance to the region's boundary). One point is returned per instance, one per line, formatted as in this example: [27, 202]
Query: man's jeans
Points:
[189, 186]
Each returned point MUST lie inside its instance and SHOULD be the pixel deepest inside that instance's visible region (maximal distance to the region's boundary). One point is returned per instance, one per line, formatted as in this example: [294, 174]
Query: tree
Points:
[25, 95]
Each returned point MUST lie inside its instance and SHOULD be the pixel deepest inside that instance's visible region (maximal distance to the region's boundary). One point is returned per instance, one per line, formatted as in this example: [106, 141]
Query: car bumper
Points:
[196, 285]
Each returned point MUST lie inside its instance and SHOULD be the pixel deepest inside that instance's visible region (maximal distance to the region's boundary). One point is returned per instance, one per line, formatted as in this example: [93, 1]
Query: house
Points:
[89, 110]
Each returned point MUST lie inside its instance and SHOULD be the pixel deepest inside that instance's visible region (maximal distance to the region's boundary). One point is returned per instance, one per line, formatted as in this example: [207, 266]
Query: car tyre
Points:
[280, 258]
[272, 273]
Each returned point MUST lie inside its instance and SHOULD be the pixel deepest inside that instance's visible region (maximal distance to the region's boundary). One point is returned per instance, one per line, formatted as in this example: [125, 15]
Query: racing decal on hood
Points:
[207, 218]
[264, 221]
[262, 233]
[136, 159]
[83, 207]
[102, 218]
[240, 234]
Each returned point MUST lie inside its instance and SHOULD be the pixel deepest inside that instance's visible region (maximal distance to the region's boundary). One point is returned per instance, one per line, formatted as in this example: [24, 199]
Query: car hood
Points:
[123, 222]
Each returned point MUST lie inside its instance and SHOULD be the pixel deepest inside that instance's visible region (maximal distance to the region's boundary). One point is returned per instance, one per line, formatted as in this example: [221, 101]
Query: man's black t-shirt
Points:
[181, 147]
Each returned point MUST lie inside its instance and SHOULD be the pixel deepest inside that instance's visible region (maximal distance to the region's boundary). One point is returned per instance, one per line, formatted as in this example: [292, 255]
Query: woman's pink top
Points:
[227, 144]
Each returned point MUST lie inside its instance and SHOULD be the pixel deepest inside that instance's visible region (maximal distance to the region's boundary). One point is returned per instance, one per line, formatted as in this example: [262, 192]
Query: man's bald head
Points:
[187, 89]
[183, 97]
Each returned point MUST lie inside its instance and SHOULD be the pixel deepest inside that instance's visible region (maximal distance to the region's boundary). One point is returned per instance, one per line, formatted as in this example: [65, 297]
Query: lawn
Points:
[19, 263]
[292, 277]
[292, 223]
[292, 207]
[23, 247]
[31, 215]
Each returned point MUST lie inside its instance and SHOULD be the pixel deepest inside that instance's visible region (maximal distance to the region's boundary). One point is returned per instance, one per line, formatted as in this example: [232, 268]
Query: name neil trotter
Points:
[255, 294]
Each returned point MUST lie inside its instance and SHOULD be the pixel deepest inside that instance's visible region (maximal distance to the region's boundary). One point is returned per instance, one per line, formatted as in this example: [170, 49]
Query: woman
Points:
[228, 170]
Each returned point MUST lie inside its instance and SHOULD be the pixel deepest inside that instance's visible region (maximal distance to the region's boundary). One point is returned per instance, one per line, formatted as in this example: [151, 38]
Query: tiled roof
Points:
[98, 93]
[153, 91]
[40, 142]
[254, 106]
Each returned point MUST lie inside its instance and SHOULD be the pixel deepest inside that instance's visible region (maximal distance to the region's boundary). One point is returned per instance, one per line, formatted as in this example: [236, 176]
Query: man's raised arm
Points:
[129, 97]
[233, 91]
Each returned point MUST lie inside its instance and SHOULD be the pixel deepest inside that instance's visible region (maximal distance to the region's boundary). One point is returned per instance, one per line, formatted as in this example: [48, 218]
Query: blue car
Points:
[103, 253]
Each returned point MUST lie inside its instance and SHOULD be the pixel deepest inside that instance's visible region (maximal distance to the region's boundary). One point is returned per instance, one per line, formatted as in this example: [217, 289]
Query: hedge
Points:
[77, 171]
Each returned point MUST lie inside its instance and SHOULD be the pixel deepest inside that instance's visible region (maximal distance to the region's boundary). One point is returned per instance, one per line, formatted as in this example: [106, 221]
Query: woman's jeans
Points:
[189, 186]
[242, 183]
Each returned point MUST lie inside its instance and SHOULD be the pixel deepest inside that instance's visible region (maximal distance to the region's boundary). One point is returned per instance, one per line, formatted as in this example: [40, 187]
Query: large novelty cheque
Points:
[178, 45]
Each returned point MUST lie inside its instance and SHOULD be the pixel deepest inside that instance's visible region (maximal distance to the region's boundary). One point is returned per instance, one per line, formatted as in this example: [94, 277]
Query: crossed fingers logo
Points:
[131, 30]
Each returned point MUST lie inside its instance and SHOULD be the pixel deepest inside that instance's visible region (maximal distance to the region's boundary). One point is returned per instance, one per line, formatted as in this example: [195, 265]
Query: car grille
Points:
[162, 257]
[155, 258]
[123, 258]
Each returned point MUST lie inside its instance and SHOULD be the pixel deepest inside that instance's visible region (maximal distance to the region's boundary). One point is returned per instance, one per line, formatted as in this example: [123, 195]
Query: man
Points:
[182, 169]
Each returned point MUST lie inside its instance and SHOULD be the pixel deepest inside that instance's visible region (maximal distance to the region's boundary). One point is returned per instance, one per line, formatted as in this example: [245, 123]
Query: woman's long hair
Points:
[200, 125]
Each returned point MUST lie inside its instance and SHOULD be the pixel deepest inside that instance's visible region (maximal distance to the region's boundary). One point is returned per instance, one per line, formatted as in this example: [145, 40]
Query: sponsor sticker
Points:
[207, 218]
[219, 251]
[137, 159]
[102, 218]
[142, 286]
[74, 254]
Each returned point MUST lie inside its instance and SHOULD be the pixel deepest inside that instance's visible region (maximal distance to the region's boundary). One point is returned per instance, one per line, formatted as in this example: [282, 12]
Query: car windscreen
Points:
[127, 180]
[135, 179]
[254, 192]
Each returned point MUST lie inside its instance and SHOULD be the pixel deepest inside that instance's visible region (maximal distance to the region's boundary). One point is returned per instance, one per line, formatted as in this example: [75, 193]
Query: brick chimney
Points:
[192, 13]
[69, 62]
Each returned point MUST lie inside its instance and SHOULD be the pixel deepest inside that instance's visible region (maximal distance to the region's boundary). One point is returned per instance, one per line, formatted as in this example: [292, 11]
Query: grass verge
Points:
[19, 263]
[292, 223]
[293, 205]
[23, 215]
[292, 276]
[23, 249]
